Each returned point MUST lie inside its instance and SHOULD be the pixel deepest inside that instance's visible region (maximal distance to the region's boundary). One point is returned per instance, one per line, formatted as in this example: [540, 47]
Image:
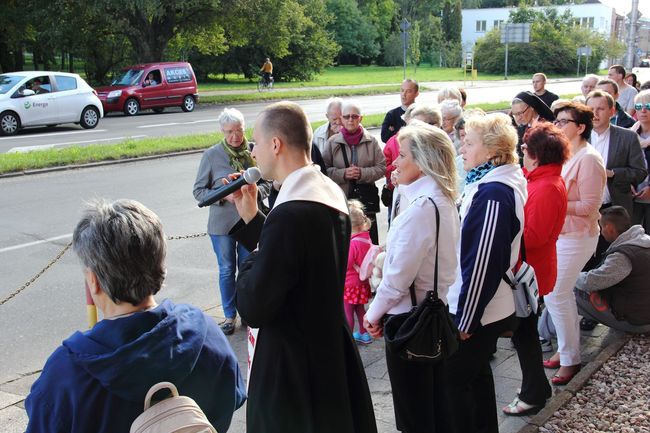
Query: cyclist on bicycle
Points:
[267, 70]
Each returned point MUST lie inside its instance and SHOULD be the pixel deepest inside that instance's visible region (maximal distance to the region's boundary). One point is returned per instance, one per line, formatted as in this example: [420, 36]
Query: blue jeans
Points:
[230, 256]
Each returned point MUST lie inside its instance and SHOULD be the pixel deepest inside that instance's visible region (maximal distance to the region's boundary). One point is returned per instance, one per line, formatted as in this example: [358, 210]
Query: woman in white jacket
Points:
[426, 171]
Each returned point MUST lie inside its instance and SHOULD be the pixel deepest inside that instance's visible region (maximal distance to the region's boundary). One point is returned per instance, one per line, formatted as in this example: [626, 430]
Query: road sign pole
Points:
[578, 73]
[506, 66]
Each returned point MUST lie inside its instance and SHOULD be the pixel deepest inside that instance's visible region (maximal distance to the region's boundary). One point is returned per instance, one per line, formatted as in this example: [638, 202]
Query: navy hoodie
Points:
[97, 380]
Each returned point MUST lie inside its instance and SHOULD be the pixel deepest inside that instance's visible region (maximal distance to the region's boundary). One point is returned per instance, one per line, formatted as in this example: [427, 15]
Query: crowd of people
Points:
[557, 182]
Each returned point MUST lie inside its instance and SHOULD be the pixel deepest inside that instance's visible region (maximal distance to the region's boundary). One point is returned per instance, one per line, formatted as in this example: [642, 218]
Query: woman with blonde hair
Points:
[492, 221]
[427, 178]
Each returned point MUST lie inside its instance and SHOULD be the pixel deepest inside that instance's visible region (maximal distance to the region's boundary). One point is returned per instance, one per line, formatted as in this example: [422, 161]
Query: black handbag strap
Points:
[347, 162]
[414, 301]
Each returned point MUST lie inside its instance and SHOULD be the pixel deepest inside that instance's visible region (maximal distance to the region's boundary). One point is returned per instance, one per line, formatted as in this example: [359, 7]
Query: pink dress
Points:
[357, 291]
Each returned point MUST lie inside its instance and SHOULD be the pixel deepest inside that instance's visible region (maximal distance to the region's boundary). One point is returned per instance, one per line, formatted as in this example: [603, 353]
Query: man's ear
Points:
[277, 145]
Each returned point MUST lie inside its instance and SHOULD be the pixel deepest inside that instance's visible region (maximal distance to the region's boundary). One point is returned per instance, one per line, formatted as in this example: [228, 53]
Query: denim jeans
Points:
[230, 256]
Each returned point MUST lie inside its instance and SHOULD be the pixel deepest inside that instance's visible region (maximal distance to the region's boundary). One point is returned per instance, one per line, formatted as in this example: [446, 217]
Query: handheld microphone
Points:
[250, 176]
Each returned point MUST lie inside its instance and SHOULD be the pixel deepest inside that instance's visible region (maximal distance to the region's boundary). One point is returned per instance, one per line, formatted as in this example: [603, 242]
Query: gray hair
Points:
[336, 101]
[351, 104]
[451, 106]
[433, 153]
[430, 113]
[230, 115]
[449, 93]
[123, 243]
[591, 77]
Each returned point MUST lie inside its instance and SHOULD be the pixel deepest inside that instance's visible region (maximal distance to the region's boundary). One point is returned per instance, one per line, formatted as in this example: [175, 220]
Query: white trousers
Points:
[572, 255]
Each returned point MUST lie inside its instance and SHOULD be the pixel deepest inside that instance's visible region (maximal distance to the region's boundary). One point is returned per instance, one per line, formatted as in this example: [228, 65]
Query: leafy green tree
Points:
[415, 46]
[353, 31]
[393, 50]
[552, 49]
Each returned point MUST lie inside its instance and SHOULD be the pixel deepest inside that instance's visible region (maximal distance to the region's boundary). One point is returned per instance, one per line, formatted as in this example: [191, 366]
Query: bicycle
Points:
[262, 84]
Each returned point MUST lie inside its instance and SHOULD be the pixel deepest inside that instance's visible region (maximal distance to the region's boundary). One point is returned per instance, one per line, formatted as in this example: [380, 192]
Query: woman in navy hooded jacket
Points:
[97, 380]
[492, 221]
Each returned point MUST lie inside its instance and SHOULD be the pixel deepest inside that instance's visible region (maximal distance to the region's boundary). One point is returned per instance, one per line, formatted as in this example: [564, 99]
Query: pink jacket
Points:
[391, 152]
[585, 177]
[359, 245]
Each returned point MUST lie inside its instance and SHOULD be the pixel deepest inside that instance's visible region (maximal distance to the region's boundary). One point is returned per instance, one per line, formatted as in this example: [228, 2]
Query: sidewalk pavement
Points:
[424, 86]
[507, 378]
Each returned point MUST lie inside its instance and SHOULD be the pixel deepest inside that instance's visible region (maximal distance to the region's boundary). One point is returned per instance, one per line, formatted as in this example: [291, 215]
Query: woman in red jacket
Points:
[545, 150]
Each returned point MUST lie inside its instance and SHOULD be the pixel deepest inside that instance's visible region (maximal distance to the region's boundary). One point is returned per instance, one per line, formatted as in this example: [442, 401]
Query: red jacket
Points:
[544, 215]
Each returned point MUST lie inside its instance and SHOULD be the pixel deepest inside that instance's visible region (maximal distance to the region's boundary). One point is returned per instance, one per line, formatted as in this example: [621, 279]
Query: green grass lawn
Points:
[347, 75]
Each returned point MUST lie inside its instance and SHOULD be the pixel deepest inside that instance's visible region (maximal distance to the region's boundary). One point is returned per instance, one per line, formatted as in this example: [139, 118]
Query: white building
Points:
[591, 13]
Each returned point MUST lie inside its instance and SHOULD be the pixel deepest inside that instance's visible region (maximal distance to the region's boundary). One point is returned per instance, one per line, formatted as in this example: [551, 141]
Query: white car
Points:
[37, 98]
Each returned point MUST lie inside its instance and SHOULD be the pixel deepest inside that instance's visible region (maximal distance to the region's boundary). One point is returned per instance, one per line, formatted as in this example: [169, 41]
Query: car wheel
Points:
[89, 117]
[131, 107]
[9, 123]
[158, 110]
[188, 103]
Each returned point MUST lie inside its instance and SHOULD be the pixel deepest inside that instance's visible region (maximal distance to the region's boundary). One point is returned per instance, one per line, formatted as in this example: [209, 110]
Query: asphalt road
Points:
[116, 127]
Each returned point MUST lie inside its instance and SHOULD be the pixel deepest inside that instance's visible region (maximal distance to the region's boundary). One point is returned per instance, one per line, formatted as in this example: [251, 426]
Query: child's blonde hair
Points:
[358, 218]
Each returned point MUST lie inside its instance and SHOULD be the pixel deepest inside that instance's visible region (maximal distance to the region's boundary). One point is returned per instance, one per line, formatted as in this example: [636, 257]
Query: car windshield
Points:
[7, 82]
[130, 77]
[645, 63]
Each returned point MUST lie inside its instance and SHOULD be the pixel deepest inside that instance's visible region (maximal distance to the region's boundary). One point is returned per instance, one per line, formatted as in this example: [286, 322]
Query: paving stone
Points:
[8, 399]
[13, 420]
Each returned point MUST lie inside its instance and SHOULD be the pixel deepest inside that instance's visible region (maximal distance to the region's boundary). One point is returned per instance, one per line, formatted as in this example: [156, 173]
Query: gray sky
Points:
[624, 6]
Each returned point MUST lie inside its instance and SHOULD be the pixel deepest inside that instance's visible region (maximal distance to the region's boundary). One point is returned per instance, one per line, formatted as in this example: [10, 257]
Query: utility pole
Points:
[631, 36]
[404, 26]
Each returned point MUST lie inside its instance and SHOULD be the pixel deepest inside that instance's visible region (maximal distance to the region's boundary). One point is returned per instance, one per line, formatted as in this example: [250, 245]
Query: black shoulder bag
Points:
[366, 193]
[426, 334]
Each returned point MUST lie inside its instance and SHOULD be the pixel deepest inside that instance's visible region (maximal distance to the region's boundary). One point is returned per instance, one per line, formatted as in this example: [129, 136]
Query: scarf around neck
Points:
[478, 172]
[352, 138]
[240, 157]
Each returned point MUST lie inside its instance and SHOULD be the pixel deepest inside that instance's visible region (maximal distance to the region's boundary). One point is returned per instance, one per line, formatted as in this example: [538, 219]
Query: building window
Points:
[498, 24]
[481, 25]
[585, 22]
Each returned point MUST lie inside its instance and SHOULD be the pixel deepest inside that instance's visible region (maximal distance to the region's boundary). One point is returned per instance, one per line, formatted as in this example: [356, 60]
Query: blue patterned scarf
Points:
[478, 172]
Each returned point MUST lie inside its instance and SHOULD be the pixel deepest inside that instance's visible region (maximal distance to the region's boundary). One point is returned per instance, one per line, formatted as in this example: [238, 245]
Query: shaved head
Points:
[288, 121]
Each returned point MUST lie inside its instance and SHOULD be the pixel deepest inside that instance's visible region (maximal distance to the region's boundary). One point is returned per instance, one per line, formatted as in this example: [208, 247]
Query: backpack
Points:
[176, 414]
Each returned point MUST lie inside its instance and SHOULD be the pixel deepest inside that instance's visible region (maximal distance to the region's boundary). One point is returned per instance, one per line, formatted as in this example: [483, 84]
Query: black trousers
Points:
[601, 247]
[374, 232]
[535, 388]
[471, 384]
[420, 398]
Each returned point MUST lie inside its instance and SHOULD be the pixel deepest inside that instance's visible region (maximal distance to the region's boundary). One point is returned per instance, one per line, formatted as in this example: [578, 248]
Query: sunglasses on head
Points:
[351, 116]
[639, 107]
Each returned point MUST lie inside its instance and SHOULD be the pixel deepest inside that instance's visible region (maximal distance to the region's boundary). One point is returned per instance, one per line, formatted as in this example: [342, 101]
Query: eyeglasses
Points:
[238, 131]
[639, 107]
[351, 116]
[563, 122]
[521, 113]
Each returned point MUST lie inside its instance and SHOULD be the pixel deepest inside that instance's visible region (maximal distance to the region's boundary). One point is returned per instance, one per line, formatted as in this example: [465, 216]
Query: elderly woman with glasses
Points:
[527, 110]
[231, 154]
[451, 112]
[584, 176]
[355, 162]
[641, 213]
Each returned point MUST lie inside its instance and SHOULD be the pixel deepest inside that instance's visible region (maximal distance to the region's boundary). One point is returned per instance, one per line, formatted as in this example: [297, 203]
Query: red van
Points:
[151, 85]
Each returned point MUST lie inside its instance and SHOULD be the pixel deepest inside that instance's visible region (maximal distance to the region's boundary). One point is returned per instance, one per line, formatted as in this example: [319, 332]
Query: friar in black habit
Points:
[306, 375]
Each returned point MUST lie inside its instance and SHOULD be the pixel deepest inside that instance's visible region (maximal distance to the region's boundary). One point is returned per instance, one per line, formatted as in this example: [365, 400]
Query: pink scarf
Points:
[352, 138]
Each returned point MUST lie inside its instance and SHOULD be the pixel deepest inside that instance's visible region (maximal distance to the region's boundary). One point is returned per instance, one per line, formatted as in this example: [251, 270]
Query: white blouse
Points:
[411, 249]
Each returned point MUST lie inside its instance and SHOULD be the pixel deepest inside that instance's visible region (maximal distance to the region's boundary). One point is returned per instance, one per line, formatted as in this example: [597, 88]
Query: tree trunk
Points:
[62, 60]
[70, 63]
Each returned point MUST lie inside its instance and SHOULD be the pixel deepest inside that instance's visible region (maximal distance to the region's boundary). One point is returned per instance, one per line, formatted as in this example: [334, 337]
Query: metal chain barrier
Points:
[64, 250]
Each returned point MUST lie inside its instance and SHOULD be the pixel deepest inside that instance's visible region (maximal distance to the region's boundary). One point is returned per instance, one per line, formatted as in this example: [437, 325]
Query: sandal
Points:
[520, 408]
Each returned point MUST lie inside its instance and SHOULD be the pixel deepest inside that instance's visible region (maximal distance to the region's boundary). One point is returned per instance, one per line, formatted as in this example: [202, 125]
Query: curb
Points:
[578, 382]
[98, 164]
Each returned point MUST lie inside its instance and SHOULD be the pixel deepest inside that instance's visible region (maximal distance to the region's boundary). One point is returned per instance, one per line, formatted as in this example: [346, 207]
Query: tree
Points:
[149, 25]
[415, 46]
[352, 31]
[552, 48]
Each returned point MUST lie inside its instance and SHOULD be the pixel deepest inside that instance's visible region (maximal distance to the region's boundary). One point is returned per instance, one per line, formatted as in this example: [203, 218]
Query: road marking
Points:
[31, 244]
[51, 134]
[25, 149]
[177, 123]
